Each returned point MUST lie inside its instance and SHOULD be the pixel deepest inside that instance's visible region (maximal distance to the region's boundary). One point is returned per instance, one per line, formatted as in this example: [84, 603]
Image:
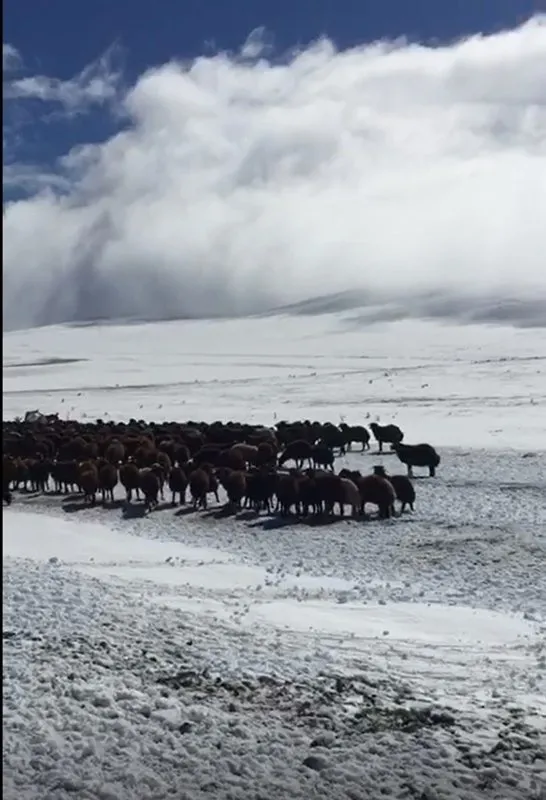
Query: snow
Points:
[194, 656]
[461, 386]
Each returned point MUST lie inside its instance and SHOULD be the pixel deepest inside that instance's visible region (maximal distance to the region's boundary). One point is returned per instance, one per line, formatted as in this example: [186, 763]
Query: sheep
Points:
[39, 471]
[308, 494]
[199, 486]
[403, 488]
[88, 480]
[9, 471]
[260, 488]
[332, 437]
[248, 451]
[182, 455]
[178, 483]
[232, 459]
[322, 456]
[378, 491]
[373, 489]
[166, 464]
[115, 452]
[234, 482]
[329, 490]
[297, 451]
[209, 454]
[418, 455]
[65, 475]
[287, 492]
[148, 482]
[386, 434]
[351, 496]
[22, 473]
[108, 479]
[266, 455]
[129, 477]
[213, 480]
[355, 433]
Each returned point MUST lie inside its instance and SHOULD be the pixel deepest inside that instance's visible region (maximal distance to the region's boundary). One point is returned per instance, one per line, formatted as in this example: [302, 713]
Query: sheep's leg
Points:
[432, 471]
[410, 471]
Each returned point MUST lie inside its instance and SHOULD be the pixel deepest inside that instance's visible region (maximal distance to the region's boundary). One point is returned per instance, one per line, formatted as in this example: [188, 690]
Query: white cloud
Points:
[11, 59]
[97, 84]
[395, 169]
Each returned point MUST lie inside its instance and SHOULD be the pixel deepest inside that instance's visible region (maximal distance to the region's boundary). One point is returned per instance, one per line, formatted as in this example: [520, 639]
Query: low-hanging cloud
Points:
[384, 174]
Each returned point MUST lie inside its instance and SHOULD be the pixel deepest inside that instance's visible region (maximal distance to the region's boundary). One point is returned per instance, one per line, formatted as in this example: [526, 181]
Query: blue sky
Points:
[58, 38]
[156, 183]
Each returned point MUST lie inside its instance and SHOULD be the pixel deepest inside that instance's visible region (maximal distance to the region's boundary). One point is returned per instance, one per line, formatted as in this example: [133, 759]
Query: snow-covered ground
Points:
[191, 656]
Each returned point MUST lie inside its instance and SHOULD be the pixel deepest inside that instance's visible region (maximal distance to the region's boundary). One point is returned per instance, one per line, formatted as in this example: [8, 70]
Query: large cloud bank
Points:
[391, 173]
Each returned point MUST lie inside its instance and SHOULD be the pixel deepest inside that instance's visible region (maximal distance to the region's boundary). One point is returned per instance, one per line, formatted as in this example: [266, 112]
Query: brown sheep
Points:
[166, 463]
[351, 496]
[178, 483]
[266, 455]
[309, 494]
[213, 480]
[403, 488]
[199, 487]
[232, 459]
[108, 479]
[145, 455]
[148, 482]
[330, 491]
[248, 451]
[208, 454]
[129, 477]
[182, 455]
[234, 483]
[378, 491]
[288, 492]
[88, 480]
[115, 452]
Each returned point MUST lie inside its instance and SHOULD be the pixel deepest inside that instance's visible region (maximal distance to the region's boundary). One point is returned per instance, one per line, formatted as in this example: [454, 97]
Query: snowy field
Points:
[189, 656]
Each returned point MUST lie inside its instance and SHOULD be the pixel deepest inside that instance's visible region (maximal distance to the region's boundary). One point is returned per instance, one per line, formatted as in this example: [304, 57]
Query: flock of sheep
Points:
[287, 469]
